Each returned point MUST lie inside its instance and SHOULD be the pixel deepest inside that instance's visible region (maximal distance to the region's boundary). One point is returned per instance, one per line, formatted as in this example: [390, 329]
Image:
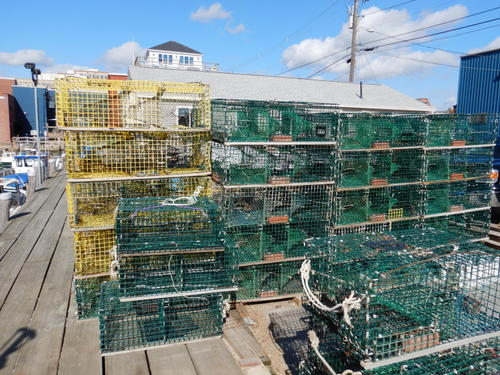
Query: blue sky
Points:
[262, 37]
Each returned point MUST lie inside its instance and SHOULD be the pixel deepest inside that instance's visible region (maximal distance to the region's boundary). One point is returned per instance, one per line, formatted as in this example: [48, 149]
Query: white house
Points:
[173, 55]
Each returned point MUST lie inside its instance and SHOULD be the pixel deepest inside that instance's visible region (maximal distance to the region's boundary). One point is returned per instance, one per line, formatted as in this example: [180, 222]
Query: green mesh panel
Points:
[87, 294]
[437, 164]
[139, 324]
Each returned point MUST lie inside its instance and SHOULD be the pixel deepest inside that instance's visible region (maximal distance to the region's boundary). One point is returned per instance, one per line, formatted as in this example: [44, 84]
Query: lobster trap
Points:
[136, 154]
[456, 196]
[94, 252]
[412, 298]
[473, 224]
[394, 166]
[176, 274]
[87, 294]
[238, 120]
[273, 242]
[145, 323]
[377, 204]
[269, 280]
[461, 129]
[271, 164]
[276, 204]
[100, 103]
[156, 225]
[93, 204]
[368, 131]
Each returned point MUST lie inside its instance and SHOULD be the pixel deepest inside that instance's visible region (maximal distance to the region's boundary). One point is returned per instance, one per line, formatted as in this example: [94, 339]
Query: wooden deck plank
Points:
[17, 225]
[17, 311]
[243, 343]
[172, 360]
[212, 357]
[80, 352]
[13, 262]
[133, 363]
[41, 355]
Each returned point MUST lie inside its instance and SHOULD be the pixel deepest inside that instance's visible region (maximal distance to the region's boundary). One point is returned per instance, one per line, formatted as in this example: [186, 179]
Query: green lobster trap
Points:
[276, 204]
[271, 164]
[92, 204]
[136, 154]
[176, 273]
[474, 223]
[395, 166]
[239, 120]
[273, 242]
[155, 225]
[269, 280]
[87, 295]
[410, 298]
[146, 323]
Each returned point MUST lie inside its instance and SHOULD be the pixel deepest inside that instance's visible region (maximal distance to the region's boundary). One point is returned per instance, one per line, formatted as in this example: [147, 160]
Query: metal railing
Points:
[151, 63]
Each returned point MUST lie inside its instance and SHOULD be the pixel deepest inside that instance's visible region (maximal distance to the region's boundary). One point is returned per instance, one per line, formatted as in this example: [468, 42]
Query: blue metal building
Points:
[479, 83]
[25, 97]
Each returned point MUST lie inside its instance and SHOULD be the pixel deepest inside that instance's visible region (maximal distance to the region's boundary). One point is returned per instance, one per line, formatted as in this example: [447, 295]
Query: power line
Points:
[327, 67]
[391, 7]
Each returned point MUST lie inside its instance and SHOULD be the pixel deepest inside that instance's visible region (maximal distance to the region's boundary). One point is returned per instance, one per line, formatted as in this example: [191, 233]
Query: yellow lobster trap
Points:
[136, 154]
[93, 252]
[91, 204]
[100, 103]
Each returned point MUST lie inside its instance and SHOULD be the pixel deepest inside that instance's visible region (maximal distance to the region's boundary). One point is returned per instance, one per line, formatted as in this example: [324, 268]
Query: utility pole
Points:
[353, 40]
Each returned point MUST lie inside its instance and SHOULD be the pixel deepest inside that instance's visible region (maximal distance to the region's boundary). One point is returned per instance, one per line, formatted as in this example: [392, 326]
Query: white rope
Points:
[350, 303]
[313, 338]
[183, 201]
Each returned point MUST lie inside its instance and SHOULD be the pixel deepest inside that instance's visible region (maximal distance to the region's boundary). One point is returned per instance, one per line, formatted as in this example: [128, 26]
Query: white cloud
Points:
[22, 56]
[381, 24]
[493, 45]
[213, 12]
[235, 30]
[119, 58]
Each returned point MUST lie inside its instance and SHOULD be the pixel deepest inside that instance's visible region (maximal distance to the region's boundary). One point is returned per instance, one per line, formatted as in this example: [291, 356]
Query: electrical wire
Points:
[391, 7]
[327, 67]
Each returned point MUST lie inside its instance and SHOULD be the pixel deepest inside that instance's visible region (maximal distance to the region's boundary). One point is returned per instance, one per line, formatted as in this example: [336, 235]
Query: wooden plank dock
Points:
[39, 331]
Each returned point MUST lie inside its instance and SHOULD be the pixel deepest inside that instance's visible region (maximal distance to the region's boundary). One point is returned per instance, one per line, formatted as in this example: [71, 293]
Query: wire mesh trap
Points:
[271, 164]
[93, 251]
[87, 294]
[394, 166]
[149, 225]
[474, 224]
[237, 120]
[245, 206]
[269, 280]
[412, 297]
[99, 103]
[136, 154]
[93, 204]
[153, 322]
[176, 273]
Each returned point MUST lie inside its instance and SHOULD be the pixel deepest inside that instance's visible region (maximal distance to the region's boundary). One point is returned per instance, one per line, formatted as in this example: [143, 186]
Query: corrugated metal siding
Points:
[479, 83]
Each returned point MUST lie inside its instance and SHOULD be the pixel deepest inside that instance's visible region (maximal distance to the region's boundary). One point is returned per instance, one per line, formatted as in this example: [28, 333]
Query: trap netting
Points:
[238, 120]
[377, 203]
[93, 251]
[176, 273]
[100, 103]
[87, 294]
[273, 242]
[456, 196]
[474, 224]
[269, 280]
[461, 129]
[136, 154]
[168, 224]
[477, 358]
[92, 204]
[400, 298]
[271, 164]
[245, 206]
[131, 325]
[368, 130]
[377, 167]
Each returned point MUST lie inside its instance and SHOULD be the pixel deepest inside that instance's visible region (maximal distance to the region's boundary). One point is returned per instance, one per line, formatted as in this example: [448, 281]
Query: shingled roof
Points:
[174, 47]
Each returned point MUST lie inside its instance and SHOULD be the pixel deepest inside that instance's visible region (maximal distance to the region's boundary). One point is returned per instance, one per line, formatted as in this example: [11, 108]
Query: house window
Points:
[181, 60]
[170, 60]
[184, 116]
[160, 57]
[190, 61]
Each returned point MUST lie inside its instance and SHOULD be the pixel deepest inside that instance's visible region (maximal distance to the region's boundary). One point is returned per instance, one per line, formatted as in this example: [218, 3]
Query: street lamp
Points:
[34, 77]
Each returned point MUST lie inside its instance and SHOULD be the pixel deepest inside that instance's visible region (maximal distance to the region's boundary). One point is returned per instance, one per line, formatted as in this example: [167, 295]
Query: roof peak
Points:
[174, 46]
